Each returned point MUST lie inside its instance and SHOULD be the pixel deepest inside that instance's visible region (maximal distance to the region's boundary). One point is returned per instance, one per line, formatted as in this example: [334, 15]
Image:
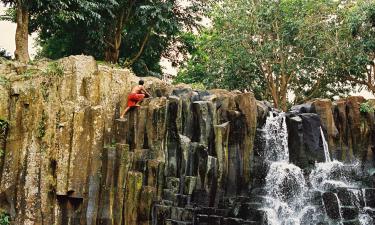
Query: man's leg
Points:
[125, 111]
[140, 98]
[138, 104]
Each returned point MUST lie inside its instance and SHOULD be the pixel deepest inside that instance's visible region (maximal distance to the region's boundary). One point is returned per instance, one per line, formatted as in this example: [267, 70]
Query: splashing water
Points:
[285, 186]
[325, 173]
[285, 183]
[365, 219]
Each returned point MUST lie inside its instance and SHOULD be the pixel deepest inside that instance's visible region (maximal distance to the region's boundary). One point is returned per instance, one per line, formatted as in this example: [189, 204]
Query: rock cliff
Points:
[183, 157]
[350, 133]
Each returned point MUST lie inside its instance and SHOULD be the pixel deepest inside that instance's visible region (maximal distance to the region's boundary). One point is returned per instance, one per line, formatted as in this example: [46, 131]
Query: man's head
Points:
[141, 82]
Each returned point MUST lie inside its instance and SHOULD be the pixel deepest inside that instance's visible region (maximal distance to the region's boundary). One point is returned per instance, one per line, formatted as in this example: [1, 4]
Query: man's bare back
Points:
[137, 94]
[139, 89]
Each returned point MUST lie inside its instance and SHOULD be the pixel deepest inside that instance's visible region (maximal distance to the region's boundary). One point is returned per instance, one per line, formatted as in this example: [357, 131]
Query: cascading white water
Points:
[365, 219]
[288, 200]
[325, 147]
[276, 135]
[285, 183]
[285, 186]
[325, 174]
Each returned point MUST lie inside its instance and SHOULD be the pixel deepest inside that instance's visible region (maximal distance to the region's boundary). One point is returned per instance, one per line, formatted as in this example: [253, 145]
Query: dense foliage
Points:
[366, 107]
[282, 49]
[134, 33]
[353, 58]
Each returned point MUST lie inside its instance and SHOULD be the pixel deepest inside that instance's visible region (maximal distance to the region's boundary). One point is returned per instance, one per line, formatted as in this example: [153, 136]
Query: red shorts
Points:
[134, 98]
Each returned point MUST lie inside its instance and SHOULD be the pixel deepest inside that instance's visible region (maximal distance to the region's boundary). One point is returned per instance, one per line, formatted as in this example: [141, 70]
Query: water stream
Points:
[325, 146]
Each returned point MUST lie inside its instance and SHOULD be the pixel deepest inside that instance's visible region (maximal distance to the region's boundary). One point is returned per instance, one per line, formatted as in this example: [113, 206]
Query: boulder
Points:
[349, 212]
[303, 108]
[304, 139]
[331, 205]
[262, 112]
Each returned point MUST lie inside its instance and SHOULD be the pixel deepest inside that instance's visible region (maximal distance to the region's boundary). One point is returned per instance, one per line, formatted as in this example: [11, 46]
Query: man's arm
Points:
[146, 92]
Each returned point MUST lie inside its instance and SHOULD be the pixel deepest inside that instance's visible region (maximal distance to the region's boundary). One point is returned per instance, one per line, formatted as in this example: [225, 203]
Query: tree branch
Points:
[355, 80]
[313, 91]
[136, 57]
[130, 7]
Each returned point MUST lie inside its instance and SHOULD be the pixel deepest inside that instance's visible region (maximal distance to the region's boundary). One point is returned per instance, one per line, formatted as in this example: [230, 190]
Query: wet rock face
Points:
[55, 165]
[348, 205]
[204, 142]
[323, 107]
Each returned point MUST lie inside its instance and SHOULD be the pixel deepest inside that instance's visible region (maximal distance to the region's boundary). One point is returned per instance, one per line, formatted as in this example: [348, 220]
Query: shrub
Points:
[3, 80]
[365, 107]
[42, 126]
[54, 69]
[3, 124]
[4, 219]
[198, 86]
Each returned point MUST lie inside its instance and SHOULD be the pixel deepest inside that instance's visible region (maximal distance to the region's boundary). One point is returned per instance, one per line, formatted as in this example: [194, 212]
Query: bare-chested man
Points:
[137, 94]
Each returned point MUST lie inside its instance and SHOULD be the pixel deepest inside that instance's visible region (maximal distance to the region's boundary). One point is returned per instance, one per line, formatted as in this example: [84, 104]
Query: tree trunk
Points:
[112, 50]
[139, 53]
[272, 89]
[22, 33]
[283, 92]
[284, 106]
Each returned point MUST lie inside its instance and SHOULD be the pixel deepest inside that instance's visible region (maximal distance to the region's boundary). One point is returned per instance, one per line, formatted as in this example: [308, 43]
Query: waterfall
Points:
[290, 195]
[285, 186]
[276, 135]
[285, 183]
[325, 146]
[326, 174]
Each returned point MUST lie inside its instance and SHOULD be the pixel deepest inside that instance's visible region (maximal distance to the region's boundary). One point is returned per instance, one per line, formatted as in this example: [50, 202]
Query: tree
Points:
[135, 34]
[274, 48]
[353, 59]
[22, 19]
[28, 14]
[71, 26]
[156, 17]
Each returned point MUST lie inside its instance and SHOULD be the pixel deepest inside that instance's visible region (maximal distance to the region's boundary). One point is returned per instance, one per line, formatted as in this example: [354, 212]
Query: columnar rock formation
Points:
[350, 133]
[183, 157]
[58, 119]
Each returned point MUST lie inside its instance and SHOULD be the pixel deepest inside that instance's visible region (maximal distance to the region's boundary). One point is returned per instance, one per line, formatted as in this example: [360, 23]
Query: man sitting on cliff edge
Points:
[137, 94]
